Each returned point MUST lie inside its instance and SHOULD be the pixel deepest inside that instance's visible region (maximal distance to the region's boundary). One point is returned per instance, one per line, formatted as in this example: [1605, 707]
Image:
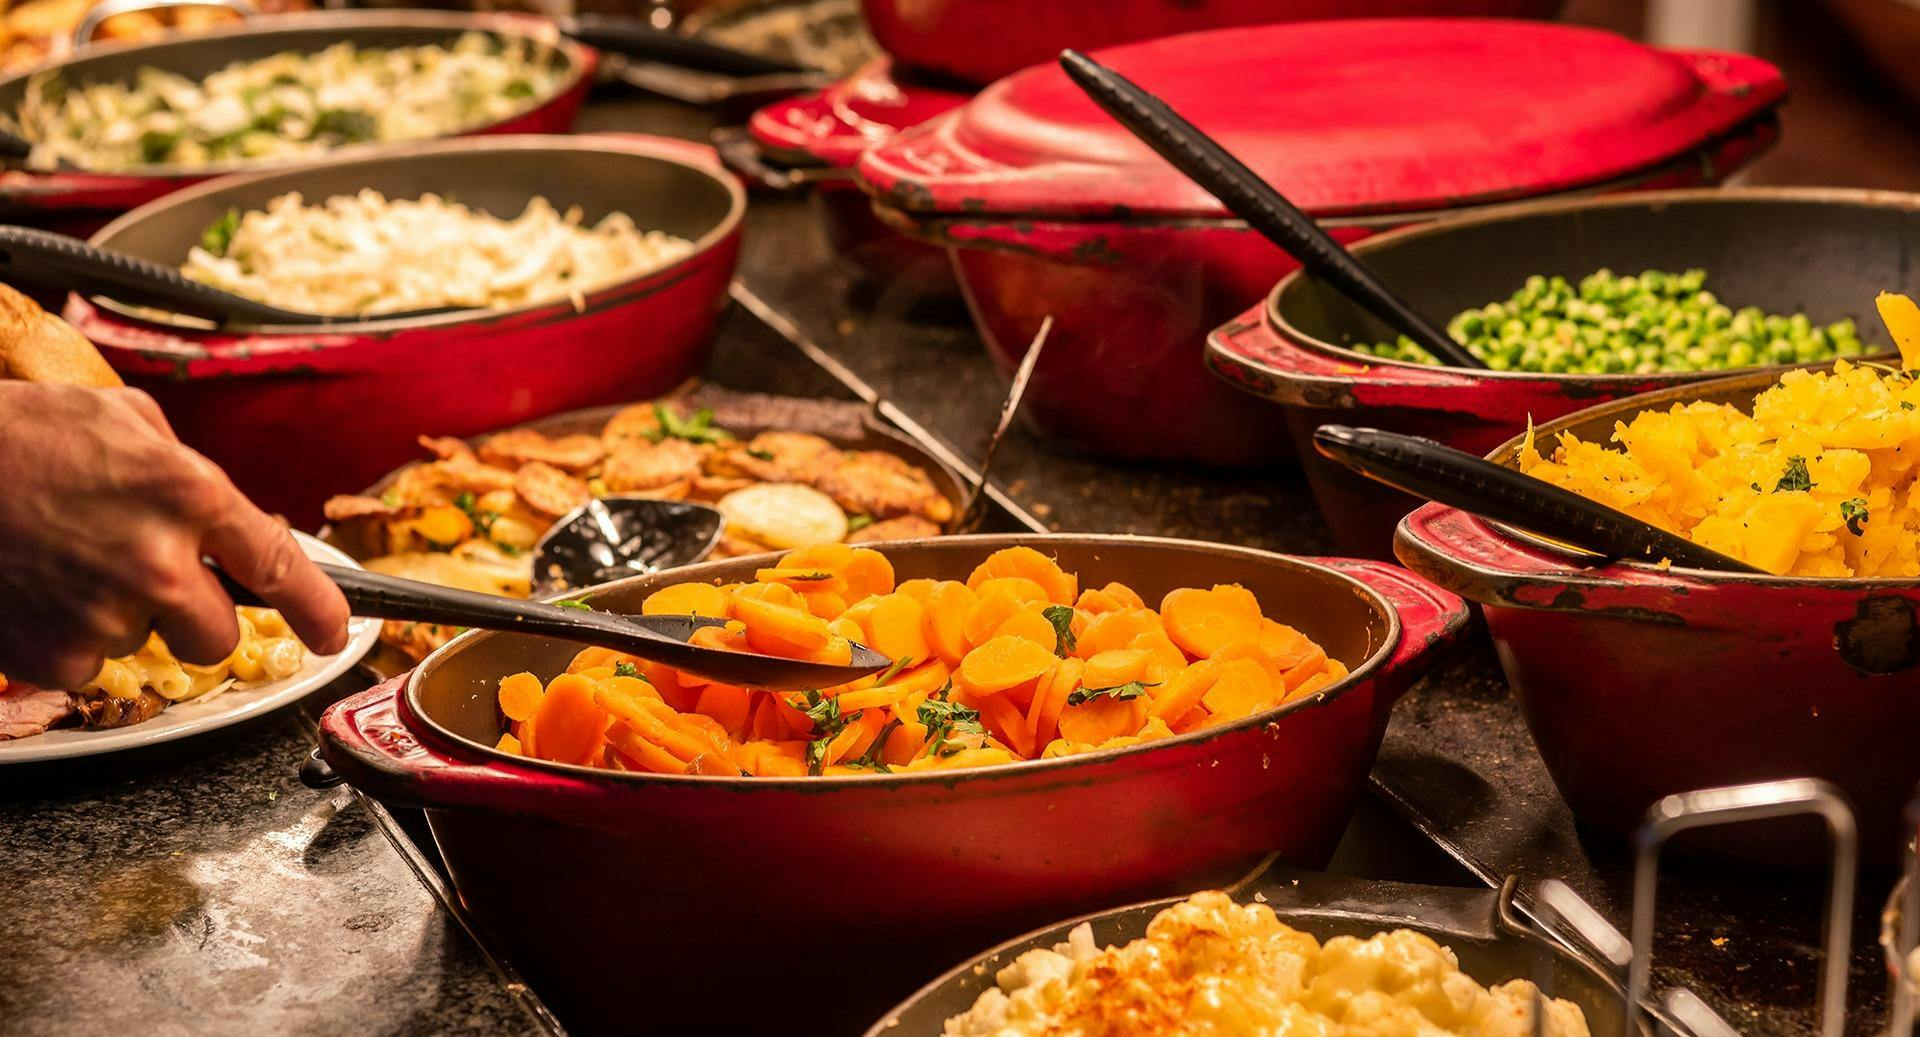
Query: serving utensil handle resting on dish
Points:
[636, 39]
[1251, 198]
[1459, 479]
[973, 511]
[57, 261]
[658, 638]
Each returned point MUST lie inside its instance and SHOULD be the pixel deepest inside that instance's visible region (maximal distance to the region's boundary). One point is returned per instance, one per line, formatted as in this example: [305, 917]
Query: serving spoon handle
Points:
[1251, 198]
[660, 639]
[637, 39]
[1458, 479]
[57, 261]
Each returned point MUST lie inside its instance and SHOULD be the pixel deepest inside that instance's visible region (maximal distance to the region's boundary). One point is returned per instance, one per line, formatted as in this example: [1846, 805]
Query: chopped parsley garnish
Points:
[156, 146]
[346, 124]
[1795, 478]
[828, 722]
[1906, 404]
[762, 455]
[1119, 693]
[697, 429]
[893, 671]
[390, 498]
[856, 523]
[1855, 512]
[518, 88]
[870, 760]
[575, 603]
[944, 720]
[1061, 616]
[218, 237]
[626, 669]
[482, 520]
[1756, 487]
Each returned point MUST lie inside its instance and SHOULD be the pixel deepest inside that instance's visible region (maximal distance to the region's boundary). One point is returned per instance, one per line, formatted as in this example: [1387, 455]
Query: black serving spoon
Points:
[610, 538]
[1459, 479]
[56, 261]
[658, 638]
[636, 39]
[1249, 197]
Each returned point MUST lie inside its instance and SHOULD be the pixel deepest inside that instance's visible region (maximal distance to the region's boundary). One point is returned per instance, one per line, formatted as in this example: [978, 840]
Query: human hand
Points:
[104, 520]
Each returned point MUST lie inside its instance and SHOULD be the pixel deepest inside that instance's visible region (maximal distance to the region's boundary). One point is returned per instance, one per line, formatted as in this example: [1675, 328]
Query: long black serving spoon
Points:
[1249, 197]
[658, 638]
[59, 262]
[1459, 479]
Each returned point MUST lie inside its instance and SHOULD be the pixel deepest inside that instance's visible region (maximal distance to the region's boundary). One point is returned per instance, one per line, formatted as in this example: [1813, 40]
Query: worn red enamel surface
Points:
[1344, 117]
[1637, 683]
[981, 40]
[66, 195]
[669, 875]
[295, 417]
[833, 126]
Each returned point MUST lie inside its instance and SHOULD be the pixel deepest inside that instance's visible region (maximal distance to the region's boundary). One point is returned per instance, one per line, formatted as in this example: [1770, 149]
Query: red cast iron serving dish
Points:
[75, 195]
[1051, 208]
[819, 136]
[296, 414]
[1639, 682]
[979, 41]
[1822, 251]
[634, 900]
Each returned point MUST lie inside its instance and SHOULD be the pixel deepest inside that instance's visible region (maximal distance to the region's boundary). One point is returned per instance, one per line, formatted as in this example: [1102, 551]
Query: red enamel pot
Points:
[1821, 251]
[817, 137]
[1639, 682]
[978, 41]
[831, 898]
[76, 198]
[1051, 209]
[296, 414]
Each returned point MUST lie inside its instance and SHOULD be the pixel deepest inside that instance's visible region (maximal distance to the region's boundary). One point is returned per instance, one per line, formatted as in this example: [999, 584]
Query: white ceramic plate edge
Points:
[189, 718]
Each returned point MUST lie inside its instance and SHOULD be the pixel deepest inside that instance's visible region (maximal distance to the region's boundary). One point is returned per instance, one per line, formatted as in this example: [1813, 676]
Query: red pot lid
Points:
[836, 124]
[1345, 117]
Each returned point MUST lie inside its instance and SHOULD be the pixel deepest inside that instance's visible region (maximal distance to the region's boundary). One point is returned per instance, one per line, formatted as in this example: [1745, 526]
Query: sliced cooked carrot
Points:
[686, 599]
[529, 739]
[870, 698]
[443, 525]
[868, 573]
[920, 590]
[1031, 624]
[1237, 597]
[1062, 587]
[1113, 668]
[1242, 690]
[1019, 586]
[907, 741]
[772, 626]
[924, 679]
[642, 754]
[597, 658]
[1043, 716]
[949, 605]
[1125, 595]
[715, 765]
[992, 609]
[1094, 602]
[771, 594]
[1111, 630]
[1195, 717]
[1003, 662]
[1253, 653]
[826, 604]
[572, 725]
[838, 651]
[1335, 672]
[1283, 644]
[806, 581]
[1315, 662]
[722, 638]
[870, 723]
[1201, 622]
[1164, 658]
[1003, 720]
[667, 683]
[508, 744]
[1097, 720]
[767, 723]
[731, 706]
[831, 557]
[520, 695]
[1184, 691]
[896, 628]
[652, 727]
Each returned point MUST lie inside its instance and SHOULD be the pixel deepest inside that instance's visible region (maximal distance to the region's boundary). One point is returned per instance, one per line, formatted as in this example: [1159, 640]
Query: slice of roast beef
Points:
[26, 710]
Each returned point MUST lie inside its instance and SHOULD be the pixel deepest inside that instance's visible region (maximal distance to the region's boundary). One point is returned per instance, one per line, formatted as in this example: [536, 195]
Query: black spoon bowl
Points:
[1251, 198]
[612, 538]
[56, 261]
[1458, 479]
[661, 639]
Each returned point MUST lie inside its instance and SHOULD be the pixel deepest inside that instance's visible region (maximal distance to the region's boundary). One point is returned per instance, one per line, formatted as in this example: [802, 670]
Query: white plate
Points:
[196, 717]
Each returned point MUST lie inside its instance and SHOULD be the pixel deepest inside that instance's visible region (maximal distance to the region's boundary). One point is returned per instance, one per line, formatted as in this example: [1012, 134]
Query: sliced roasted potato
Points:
[784, 515]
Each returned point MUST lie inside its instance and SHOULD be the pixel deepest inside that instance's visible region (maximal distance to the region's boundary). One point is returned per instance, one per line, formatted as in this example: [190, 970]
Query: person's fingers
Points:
[262, 555]
[197, 622]
[143, 407]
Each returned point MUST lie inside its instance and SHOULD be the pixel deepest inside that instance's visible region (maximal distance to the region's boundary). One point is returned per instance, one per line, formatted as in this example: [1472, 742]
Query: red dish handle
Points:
[1432, 620]
[1465, 555]
[366, 740]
